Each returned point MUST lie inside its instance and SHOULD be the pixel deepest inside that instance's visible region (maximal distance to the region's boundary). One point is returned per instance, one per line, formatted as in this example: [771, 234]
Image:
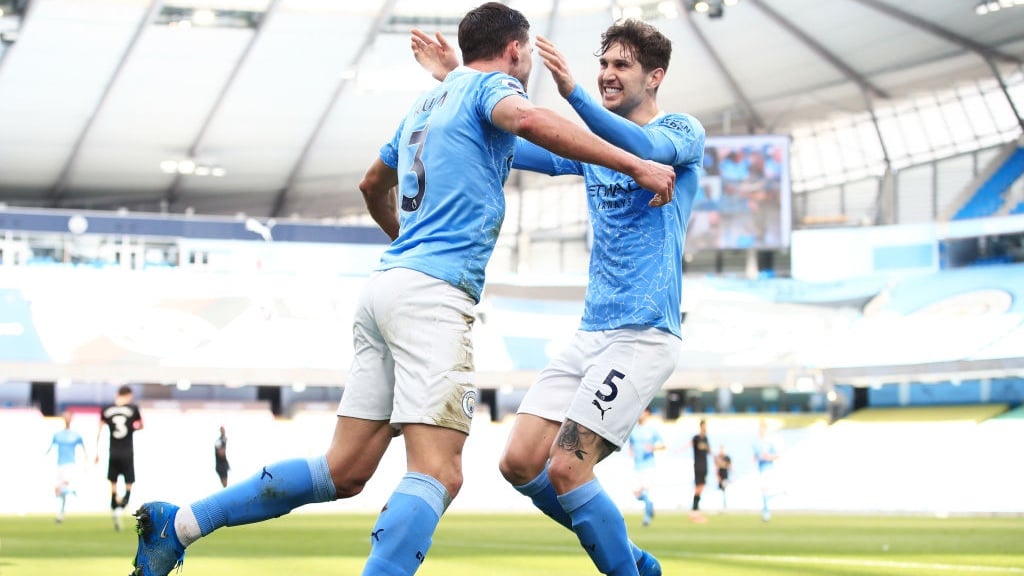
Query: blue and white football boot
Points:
[159, 550]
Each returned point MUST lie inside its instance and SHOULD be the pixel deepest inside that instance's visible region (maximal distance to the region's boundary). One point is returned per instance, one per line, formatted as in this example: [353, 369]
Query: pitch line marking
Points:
[960, 568]
[856, 562]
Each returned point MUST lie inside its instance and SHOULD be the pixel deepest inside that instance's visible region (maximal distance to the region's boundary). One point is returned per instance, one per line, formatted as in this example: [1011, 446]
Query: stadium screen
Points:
[744, 197]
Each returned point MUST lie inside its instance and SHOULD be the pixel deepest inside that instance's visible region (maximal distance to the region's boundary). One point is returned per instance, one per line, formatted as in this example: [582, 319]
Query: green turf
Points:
[528, 544]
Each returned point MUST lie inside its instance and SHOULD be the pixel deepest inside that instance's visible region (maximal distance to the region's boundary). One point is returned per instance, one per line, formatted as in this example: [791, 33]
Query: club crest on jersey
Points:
[514, 85]
[469, 402]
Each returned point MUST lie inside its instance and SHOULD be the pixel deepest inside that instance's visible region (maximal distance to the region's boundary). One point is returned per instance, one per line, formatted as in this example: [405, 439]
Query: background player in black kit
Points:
[701, 450]
[122, 419]
[723, 462]
[220, 457]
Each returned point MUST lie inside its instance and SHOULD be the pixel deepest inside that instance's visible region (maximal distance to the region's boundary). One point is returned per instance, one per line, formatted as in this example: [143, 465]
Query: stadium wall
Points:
[956, 465]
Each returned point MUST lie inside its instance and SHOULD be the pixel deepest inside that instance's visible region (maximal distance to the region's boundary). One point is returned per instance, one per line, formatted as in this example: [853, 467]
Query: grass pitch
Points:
[529, 544]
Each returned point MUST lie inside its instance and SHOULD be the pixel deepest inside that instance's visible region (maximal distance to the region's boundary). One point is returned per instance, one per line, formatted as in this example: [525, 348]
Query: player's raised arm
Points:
[436, 55]
[556, 63]
[561, 136]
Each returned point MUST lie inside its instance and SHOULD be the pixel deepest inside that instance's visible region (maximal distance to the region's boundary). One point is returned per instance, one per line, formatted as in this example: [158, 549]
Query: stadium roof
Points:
[275, 107]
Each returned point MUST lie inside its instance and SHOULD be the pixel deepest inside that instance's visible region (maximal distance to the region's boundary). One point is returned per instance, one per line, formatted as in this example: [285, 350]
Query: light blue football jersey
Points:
[637, 255]
[66, 442]
[643, 439]
[764, 446]
[636, 263]
[452, 164]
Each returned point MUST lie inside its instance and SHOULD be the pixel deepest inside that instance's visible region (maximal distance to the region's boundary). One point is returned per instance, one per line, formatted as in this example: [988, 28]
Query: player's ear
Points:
[654, 78]
[512, 51]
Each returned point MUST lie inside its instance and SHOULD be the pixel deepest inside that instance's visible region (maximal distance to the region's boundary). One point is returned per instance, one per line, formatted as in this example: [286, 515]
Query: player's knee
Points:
[452, 481]
[349, 481]
[509, 471]
[520, 464]
[567, 474]
[518, 471]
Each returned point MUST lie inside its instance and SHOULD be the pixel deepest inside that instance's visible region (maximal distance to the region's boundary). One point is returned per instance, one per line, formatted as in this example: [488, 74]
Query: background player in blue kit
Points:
[122, 419]
[644, 441]
[586, 401]
[413, 366]
[766, 452]
[68, 442]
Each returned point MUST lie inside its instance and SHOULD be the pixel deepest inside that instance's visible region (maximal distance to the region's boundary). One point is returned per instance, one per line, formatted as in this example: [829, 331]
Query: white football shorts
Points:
[413, 357]
[603, 380]
[643, 479]
[66, 474]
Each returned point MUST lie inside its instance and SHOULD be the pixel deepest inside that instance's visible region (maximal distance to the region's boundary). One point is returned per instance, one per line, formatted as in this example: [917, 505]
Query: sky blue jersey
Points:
[66, 442]
[452, 164]
[763, 446]
[643, 440]
[637, 256]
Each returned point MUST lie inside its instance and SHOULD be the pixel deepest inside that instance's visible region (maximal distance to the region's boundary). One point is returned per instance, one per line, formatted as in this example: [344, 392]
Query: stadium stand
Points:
[990, 195]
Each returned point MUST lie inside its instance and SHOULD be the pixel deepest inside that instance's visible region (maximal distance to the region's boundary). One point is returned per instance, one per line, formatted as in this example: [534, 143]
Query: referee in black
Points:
[701, 450]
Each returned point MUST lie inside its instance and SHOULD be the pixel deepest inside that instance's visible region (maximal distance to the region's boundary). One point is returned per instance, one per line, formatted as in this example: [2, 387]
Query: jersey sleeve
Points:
[529, 156]
[495, 88]
[389, 151]
[673, 139]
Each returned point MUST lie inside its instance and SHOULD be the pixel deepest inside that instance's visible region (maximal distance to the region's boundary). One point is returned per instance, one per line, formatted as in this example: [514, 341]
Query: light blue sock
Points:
[600, 528]
[543, 495]
[277, 490]
[405, 527]
[648, 505]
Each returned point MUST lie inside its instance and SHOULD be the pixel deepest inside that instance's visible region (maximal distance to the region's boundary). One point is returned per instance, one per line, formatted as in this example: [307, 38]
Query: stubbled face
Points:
[522, 69]
[621, 81]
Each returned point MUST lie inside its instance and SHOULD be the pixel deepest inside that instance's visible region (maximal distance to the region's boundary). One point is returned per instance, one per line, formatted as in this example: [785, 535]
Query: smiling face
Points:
[622, 81]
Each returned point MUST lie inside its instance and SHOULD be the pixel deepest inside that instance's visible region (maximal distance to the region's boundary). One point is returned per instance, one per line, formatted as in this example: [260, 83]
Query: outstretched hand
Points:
[435, 55]
[659, 179]
[557, 64]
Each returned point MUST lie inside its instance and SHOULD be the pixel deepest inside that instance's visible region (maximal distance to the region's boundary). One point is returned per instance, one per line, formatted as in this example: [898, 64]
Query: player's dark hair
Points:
[125, 389]
[485, 31]
[641, 40]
